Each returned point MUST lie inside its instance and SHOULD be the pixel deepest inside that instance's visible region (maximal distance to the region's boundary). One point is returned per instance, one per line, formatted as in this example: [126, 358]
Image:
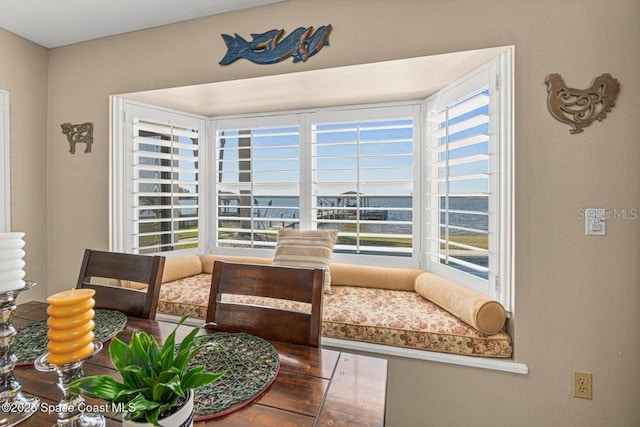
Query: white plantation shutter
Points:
[465, 193]
[459, 177]
[257, 180]
[362, 178]
[163, 185]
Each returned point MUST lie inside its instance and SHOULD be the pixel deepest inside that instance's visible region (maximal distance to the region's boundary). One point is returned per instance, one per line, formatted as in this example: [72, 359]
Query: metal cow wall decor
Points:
[82, 132]
[270, 47]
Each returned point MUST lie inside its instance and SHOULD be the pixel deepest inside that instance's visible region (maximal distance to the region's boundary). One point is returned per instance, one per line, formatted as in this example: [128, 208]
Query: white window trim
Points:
[504, 365]
[5, 155]
[231, 122]
[500, 281]
[117, 166]
[381, 112]
[121, 182]
[505, 199]
[506, 187]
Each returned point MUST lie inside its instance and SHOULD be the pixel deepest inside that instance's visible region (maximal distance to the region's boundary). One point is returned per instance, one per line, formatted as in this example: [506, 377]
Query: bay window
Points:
[422, 184]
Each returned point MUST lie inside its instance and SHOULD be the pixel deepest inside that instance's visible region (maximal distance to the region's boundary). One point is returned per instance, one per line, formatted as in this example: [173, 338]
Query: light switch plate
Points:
[594, 222]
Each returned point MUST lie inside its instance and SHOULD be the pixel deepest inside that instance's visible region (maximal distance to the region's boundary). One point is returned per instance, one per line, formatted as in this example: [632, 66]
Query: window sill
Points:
[504, 365]
[495, 364]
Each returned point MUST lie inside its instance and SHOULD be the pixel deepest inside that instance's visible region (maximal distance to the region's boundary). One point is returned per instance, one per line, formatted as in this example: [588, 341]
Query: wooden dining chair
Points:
[271, 322]
[124, 267]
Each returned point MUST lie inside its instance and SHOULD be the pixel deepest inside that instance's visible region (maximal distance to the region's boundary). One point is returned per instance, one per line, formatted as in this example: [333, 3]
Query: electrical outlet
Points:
[582, 385]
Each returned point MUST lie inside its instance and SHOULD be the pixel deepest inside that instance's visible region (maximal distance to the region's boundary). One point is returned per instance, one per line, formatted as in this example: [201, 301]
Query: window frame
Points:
[345, 113]
[498, 76]
[122, 225]
[5, 156]
[241, 123]
[373, 113]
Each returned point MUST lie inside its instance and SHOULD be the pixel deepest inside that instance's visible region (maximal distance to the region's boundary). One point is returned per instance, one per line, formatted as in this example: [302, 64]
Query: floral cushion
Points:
[381, 316]
[404, 319]
[191, 296]
[186, 296]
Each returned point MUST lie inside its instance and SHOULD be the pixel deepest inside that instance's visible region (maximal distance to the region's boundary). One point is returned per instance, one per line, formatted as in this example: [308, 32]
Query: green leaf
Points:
[141, 403]
[197, 378]
[168, 388]
[97, 387]
[121, 354]
[168, 351]
[126, 395]
[144, 409]
[187, 350]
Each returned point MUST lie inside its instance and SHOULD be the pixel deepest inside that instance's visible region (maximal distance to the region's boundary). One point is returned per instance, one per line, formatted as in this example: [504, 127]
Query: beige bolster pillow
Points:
[208, 259]
[181, 267]
[134, 285]
[368, 276]
[484, 314]
[105, 281]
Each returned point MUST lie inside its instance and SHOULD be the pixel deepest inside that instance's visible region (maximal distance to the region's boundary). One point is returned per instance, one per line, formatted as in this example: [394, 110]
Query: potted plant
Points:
[156, 380]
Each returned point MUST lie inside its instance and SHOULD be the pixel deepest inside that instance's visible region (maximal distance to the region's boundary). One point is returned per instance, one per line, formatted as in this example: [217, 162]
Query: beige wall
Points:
[576, 296]
[23, 72]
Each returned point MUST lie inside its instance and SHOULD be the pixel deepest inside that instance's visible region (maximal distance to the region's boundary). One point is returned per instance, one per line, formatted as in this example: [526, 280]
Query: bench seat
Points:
[380, 316]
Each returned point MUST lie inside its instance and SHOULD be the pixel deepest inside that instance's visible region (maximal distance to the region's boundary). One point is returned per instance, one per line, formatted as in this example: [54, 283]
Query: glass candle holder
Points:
[15, 405]
[69, 413]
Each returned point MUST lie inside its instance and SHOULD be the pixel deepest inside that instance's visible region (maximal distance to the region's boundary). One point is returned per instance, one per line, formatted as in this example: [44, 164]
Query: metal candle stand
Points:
[69, 408]
[15, 406]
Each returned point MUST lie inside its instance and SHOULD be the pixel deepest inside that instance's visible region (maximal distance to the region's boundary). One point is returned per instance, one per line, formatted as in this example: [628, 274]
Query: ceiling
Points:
[54, 23]
[398, 80]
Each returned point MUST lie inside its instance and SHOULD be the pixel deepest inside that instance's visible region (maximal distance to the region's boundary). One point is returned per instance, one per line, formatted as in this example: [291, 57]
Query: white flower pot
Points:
[182, 418]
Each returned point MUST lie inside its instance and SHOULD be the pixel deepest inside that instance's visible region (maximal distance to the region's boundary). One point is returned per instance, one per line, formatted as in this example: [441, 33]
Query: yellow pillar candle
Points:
[70, 310]
[60, 359]
[70, 345]
[71, 321]
[70, 326]
[70, 334]
[70, 297]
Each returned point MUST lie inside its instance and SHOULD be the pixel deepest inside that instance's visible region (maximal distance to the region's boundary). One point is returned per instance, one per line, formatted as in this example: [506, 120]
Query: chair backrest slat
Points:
[269, 322]
[128, 267]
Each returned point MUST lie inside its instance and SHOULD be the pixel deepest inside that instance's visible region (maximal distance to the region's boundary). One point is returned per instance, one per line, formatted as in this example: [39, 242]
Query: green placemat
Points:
[31, 339]
[251, 366]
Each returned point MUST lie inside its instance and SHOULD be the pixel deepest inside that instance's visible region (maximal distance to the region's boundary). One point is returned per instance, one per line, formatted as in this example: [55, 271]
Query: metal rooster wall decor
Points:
[580, 107]
[82, 132]
[270, 47]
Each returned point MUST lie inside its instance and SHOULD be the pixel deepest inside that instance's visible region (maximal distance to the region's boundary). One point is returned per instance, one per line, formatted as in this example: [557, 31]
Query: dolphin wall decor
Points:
[269, 47]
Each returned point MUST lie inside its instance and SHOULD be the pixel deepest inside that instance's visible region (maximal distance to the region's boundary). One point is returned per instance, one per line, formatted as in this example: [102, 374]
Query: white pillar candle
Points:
[11, 263]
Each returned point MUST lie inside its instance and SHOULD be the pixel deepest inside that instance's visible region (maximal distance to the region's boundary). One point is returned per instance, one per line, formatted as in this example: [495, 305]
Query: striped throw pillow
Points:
[306, 248]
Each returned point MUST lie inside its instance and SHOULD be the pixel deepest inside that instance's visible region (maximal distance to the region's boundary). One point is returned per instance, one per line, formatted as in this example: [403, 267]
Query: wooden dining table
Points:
[314, 387]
